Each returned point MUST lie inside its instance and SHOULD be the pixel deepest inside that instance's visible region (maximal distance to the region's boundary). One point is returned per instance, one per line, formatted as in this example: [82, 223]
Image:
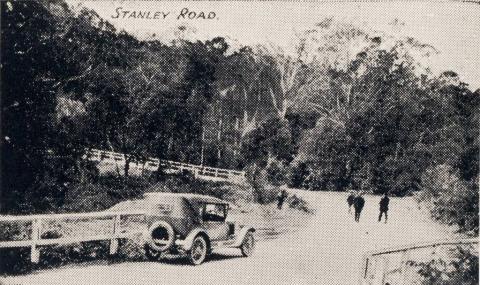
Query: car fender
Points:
[187, 243]
[241, 235]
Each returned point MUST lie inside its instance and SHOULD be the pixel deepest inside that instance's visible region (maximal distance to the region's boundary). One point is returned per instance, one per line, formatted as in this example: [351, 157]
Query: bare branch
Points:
[274, 101]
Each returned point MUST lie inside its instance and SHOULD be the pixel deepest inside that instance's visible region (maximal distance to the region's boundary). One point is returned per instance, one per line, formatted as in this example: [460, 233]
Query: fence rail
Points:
[152, 164]
[376, 264]
[36, 222]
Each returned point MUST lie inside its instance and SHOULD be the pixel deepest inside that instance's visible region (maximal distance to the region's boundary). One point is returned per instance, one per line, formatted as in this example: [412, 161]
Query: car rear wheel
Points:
[248, 245]
[152, 254]
[199, 250]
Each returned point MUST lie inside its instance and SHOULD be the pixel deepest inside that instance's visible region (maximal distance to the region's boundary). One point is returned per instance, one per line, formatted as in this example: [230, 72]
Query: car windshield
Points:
[215, 212]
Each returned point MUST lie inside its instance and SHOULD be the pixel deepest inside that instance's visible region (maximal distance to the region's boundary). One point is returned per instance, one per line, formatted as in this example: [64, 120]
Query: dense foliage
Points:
[460, 268]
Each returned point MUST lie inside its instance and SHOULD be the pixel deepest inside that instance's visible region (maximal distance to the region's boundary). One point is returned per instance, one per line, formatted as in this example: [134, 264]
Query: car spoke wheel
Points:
[152, 254]
[248, 245]
[198, 252]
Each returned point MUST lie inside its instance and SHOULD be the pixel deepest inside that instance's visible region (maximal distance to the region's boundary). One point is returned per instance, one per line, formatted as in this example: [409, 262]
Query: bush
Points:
[462, 269]
[450, 199]
[297, 175]
[17, 260]
[14, 260]
[267, 195]
[276, 173]
[320, 180]
[298, 203]
[263, 193]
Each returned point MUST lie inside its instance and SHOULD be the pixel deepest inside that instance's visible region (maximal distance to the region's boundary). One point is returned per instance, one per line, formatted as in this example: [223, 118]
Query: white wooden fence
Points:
[390, 266]
[152, 164]
[37, 221]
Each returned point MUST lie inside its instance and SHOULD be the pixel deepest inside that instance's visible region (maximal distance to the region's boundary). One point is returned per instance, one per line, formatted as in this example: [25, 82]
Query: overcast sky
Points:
[451, 27]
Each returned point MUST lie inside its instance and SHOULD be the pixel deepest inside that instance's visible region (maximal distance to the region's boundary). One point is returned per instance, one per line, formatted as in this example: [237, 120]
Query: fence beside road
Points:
[152, 164]
[391, 265]
[36, 230]
[36, 223]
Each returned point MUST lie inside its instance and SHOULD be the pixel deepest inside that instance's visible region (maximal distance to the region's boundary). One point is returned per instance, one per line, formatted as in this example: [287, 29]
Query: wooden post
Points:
[385, 269]
[403, 273]
[364, 271]
[114, 240]
[35, 252]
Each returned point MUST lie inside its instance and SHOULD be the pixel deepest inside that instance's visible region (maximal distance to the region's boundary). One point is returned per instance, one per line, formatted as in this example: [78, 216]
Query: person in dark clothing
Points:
[282, 195]
[350, 199]
[358, 204]
[384, 207]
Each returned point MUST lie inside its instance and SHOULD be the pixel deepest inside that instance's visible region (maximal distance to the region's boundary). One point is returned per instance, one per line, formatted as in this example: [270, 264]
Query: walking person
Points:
[350, 199]
[282, 195]
[384, 207]
[358, 204]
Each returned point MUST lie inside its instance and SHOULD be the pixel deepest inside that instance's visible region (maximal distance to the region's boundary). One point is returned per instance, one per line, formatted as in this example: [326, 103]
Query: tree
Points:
[33, 53]
[53, 54]
[450, 199]
[272, 140]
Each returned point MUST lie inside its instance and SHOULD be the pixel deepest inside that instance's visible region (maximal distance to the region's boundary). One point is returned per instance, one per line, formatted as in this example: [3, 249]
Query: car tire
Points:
[166, 244]
[198, 251]
[152, 254]
[248, 245]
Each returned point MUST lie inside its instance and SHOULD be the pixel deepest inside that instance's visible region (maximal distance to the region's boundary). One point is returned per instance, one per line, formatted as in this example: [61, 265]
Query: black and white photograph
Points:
[250, 142]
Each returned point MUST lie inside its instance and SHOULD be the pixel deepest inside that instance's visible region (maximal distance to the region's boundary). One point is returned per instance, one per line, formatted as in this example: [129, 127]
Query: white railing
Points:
[377, 266]
[37, 221]
[152, 164]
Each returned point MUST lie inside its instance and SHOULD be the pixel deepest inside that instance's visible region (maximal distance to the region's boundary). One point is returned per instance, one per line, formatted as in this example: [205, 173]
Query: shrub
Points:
[276, 173]
[267, 195]
[14, 260]
[298, 203]
[297, 175]
[450, 199]
[461, 269]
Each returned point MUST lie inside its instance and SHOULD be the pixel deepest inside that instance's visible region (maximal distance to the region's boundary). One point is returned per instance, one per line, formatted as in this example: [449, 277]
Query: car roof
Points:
[197, 198]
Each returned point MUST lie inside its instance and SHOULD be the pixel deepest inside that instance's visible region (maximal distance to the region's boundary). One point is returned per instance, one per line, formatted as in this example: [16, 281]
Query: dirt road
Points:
[327, 251]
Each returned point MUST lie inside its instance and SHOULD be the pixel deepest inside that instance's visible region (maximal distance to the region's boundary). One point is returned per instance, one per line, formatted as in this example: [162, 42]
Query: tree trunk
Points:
[397, 149]
[111, 149]
[127, 165]
[219, 137]
[169, 147]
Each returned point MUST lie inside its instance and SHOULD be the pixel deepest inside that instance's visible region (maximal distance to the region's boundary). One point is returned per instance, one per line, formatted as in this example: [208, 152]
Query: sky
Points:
[453, 28]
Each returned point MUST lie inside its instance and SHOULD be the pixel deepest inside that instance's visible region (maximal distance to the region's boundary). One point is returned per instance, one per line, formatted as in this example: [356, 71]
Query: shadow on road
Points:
[183, 259]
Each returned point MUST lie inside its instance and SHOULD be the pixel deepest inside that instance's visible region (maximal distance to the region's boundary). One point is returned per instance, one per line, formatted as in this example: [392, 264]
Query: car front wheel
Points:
[248, 245]
[199, 250]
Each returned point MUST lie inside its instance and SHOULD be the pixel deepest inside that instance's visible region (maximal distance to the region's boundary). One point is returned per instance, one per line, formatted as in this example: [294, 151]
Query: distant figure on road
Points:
[384, 207]
[350, 199]
[282, 195]
[358, 204]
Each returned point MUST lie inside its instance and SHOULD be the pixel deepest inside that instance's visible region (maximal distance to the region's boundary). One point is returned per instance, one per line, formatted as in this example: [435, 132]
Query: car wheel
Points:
[248, 245]
[199, 250]
[160, 236]
[152, 254]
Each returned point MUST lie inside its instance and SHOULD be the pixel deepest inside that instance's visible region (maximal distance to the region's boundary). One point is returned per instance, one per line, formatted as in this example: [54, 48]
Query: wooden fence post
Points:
[405, 257]
[35, 252]
[114, 240]
[385, 269]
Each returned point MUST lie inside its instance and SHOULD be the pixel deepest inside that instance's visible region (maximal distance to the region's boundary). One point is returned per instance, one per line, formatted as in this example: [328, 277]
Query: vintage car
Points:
[192, 224]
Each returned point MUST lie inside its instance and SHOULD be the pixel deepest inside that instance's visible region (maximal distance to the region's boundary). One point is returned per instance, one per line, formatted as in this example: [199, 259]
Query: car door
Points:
[214, 216]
